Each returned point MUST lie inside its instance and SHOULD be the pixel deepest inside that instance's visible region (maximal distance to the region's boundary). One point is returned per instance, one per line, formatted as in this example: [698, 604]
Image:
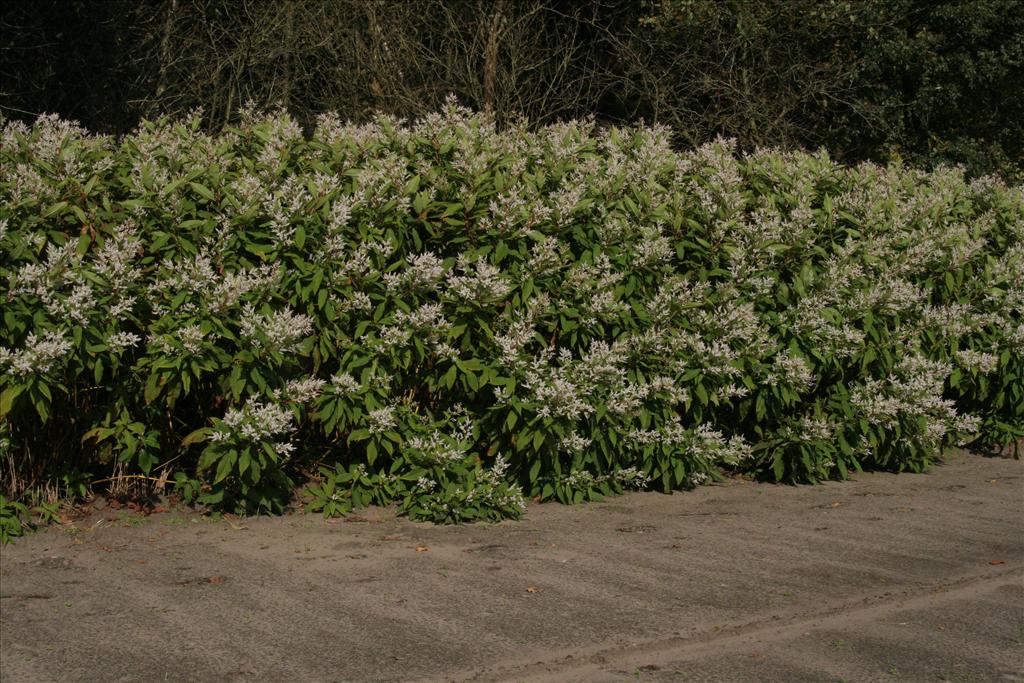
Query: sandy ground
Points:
[885, 578]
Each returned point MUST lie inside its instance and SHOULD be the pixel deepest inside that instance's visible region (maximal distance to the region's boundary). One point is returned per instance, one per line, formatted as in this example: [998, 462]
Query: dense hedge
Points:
[453, 317]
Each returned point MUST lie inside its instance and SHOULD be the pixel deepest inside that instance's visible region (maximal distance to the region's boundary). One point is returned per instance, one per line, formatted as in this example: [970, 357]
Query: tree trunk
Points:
[495, 26]
[165, 50]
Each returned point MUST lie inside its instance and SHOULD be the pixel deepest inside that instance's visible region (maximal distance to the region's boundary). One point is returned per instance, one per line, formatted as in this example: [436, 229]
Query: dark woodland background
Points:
[923, 81]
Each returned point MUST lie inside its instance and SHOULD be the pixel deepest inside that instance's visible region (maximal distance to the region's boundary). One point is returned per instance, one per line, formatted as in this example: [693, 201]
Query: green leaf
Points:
[449, 377]
[7, 398]
[778, 467]
[147, 460]
[225, 466]
[153, 386]
[202, 191]
[197, 436]
[83, 244]
[535, 471]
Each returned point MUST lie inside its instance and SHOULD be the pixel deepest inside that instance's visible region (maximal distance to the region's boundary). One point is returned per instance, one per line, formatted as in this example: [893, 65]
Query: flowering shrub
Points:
[451, 316]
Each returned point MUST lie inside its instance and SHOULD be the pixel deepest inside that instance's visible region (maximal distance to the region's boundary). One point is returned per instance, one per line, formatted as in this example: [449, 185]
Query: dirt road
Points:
[885, 578]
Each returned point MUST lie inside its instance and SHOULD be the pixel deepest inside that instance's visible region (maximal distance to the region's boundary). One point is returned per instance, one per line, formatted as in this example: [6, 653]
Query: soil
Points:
[883, 578]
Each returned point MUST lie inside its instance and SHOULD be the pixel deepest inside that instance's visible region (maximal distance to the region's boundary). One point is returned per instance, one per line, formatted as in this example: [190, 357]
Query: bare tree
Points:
[356, 56]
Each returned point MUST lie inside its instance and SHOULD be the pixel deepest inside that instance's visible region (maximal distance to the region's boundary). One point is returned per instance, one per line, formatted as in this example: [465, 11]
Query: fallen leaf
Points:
[532, 589]
[997, 561]
[422, 548]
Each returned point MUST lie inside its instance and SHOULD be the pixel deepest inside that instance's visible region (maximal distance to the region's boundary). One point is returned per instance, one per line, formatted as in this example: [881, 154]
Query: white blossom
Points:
[38, 356]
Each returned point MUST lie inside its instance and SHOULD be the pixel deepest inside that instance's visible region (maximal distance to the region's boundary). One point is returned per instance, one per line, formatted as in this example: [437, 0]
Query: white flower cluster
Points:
[554, 394]
[121, 341]
[209, 287]
[279, 330]
[191, 339]
[255, 422]
[39, 355]
[437, 447]
[977, 361]
[116, 261]
[479, 283]
[424, 272]
[382, 419]
[304, 390]
[427, 323]
[187, 340]
[344, 383]
[494, 490]
[512, 342]
[631, 477]
[628, 477]
[790, 369]
[574, 443]
[50, 281]
[702, 444]
[913, 394]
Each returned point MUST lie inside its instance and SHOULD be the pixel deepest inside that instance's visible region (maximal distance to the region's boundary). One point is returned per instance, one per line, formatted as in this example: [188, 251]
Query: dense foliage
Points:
[452, 316]
[926, 81]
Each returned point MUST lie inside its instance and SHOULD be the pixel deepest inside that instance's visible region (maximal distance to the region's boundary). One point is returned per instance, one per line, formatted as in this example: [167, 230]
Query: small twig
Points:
[126, 476]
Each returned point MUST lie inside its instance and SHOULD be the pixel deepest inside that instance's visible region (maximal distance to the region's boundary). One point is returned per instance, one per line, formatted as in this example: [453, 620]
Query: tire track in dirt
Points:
[590, 663]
